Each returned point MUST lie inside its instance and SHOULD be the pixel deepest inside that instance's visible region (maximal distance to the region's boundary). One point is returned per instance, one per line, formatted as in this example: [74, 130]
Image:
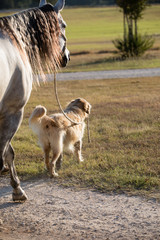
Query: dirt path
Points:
[54, 212]
[130, 73]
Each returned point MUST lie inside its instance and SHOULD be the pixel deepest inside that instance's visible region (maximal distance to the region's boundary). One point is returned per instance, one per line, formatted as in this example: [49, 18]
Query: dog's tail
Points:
[37, 114]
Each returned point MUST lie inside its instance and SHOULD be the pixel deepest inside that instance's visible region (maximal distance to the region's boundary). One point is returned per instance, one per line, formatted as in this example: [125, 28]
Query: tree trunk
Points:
[124, 27]
[136, 29]
[130, 35]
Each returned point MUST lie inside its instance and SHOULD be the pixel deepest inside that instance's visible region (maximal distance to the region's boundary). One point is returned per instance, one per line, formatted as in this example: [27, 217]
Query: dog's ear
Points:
[87, 107]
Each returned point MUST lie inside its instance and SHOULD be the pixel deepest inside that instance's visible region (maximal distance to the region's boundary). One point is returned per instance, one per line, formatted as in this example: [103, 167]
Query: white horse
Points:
[32, 41]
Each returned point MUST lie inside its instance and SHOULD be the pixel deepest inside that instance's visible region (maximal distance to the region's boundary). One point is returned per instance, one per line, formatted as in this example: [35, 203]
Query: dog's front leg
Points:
[78, 147]
[53, 165]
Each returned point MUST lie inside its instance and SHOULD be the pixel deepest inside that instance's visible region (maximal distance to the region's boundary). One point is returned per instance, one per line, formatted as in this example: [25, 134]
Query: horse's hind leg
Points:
[18, 194]
[1, 164]
[8, 126]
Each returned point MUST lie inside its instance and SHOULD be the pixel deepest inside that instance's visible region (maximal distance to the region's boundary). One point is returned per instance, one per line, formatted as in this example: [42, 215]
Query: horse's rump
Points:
[35, 32]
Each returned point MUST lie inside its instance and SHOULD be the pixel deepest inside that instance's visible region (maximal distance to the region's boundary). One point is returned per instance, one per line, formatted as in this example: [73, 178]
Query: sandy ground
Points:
[55, 212]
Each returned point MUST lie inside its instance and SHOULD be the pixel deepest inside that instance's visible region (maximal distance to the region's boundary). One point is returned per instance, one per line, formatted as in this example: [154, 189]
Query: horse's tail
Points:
[37, 114]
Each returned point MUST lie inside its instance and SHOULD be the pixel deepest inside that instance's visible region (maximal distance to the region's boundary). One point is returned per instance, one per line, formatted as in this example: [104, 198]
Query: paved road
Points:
[133, 73]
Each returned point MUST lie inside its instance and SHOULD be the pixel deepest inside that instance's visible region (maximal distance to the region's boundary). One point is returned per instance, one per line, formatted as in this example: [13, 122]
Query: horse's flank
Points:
[35, 33]
[15, 79]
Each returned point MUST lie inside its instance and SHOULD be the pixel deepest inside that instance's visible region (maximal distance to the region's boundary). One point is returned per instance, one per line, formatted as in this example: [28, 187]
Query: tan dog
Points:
[56, 131]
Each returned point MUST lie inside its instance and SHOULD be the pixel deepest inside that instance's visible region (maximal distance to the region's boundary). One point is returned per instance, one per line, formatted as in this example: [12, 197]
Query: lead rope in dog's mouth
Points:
[75, 123]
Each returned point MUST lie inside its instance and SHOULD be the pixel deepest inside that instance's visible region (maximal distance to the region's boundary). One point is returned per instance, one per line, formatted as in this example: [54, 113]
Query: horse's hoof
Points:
[4, 170]
[19, 197]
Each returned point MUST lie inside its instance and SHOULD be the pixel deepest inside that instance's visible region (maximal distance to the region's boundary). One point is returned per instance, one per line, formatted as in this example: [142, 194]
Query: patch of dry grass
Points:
[125, 130]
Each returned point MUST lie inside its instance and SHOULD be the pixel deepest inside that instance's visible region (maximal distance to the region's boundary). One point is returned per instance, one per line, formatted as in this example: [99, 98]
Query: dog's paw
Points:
[54, 175]
[81, 160]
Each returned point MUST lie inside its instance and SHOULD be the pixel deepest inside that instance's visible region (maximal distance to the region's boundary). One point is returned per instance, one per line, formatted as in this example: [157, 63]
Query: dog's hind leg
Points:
[59, 162]
[57, 148]
[78, 147]
[46, 156]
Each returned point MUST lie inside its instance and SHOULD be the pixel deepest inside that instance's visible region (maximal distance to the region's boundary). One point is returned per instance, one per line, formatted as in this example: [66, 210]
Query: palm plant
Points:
[133, 43]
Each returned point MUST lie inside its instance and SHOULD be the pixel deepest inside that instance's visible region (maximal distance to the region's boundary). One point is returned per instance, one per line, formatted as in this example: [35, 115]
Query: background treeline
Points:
[6, 4]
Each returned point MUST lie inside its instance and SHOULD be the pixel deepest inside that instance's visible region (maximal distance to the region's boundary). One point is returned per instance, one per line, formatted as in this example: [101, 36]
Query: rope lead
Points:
[75, 123]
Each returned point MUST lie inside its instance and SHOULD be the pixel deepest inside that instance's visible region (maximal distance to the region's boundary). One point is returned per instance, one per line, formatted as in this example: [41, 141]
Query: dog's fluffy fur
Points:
[56, 131]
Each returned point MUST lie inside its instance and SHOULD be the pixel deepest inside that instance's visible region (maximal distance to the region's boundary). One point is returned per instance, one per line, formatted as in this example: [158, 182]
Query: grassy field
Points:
[124, 154]
[93, 29]
[90, 33]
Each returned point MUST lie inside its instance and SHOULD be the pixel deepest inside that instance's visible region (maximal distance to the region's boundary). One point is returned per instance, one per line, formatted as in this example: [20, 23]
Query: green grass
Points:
[95, 28]
[100, 62]
[124, 154]
[91, 30]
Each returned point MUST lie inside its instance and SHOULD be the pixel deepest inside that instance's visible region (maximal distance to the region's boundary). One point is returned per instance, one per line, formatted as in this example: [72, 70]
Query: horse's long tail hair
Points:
[35, 32]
